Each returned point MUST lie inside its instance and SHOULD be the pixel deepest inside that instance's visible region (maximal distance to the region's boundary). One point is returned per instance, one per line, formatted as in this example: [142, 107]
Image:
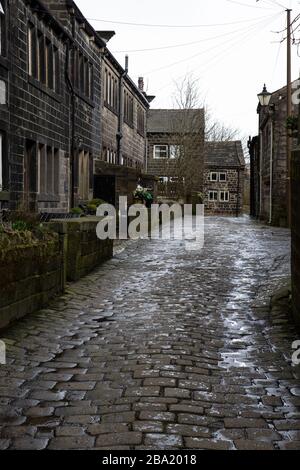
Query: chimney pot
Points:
[141, 84]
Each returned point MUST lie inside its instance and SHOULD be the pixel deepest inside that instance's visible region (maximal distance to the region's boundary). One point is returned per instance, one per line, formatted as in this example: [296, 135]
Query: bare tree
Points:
[191, 127]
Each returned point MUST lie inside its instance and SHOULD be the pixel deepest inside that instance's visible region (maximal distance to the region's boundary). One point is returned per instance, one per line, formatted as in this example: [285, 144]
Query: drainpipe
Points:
[271, 174]
[73, 115]
[238, 194]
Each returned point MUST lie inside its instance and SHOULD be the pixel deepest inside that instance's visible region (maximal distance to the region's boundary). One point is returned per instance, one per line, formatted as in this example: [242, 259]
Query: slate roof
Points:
[168, 121]
[224, 154]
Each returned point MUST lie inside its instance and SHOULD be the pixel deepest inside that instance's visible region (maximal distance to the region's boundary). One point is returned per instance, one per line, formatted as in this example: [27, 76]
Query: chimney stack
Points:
[141, 84]
[126, 63]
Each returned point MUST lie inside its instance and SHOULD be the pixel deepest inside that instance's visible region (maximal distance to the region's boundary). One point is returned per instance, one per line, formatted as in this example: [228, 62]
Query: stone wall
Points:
[296, 235]
[38, 115]
[31, 274]
[84, 251]
[234, 184]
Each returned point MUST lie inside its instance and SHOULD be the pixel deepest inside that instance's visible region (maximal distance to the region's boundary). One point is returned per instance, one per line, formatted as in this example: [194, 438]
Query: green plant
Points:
[292, 123]
[92, 208]
[76, 211]
[23, 220]
[20, 226]
[96, 202]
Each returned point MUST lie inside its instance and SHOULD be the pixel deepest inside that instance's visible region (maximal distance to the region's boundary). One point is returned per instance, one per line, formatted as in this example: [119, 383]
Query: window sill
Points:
[47, 198]
[114, 111]
[142, 134]
[40, 86]
[84, 98]
[129, 124]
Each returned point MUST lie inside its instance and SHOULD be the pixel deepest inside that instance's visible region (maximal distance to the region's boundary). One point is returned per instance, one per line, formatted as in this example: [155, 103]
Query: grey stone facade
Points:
[123, 129]
[179, 135]
[268, 153]
[34, 120]
[224, 178]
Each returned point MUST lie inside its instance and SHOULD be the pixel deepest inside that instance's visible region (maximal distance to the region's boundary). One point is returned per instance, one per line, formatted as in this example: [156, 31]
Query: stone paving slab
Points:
[161, 348]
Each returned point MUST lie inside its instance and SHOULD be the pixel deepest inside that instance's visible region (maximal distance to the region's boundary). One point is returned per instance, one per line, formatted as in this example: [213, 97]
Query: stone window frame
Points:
[128, 108]
[83, 74]
[84, 157]
[3, 83]
[48, 170]
[111, 90]
[210, 178]
[222, 180]
[226, 196]
[141, 118]
[178, 151]
[160, 157]
[213, 193]
[43, 59]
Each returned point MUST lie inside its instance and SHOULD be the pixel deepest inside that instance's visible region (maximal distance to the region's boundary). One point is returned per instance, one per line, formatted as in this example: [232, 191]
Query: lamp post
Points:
[264, 97]
[264, 100]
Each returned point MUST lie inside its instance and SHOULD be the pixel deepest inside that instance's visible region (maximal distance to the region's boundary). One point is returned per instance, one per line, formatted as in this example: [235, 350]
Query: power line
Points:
[175, 26]
[182, 44]
[221, 53]
[274, 2]
[208, 50]
[248, 6]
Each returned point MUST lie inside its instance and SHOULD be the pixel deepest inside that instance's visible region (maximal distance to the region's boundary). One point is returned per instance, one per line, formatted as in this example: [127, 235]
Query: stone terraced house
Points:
[176, 151]
[224, 178]
[268, 153]
[71, 119]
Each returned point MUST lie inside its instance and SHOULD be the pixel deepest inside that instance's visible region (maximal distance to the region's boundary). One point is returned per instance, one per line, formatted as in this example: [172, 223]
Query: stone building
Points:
[34, 108]
[84, 81]
[268, 153]
[72, 122]
[176, 151]
[52, 134]
[124, 109]
[224, 178]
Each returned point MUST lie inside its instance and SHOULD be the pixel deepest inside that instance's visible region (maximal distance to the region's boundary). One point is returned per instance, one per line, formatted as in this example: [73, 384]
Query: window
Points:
[164, 179]
[43, 58]
[82, 74]
[160, 151]
[213, 176]
[140, 120]
[84, 164]
[213, 195]
[1, 159]
[2, 92]
[111, 91]
[128, 108]
[110, 156]
[2, 28]
[48, 170]
[175, 151]
[222, 177]
[224, 196]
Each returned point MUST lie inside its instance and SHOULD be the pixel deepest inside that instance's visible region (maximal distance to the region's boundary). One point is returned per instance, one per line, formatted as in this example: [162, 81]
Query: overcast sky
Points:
[236, 49]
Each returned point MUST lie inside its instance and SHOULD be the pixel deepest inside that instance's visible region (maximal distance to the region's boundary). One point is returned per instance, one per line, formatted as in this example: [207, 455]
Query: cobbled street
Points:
[161, 348]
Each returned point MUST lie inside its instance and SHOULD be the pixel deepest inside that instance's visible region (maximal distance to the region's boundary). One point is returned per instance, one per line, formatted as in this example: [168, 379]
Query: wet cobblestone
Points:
[160, 348]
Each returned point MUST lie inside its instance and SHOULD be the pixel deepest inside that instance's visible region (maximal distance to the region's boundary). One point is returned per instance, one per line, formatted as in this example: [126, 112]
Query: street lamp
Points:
[264, 97]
